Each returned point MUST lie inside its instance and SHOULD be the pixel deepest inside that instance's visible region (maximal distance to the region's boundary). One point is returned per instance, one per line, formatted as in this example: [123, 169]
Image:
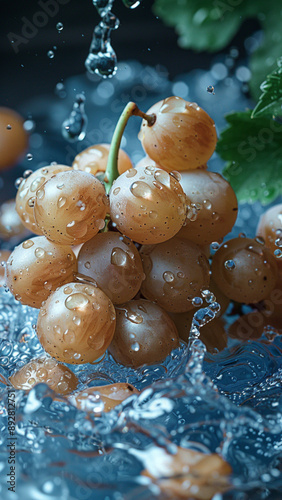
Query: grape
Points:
[183, 136]
[270, 227]
[4, 255]
[70, 207]
[38, 266]
[187, 473]
[244, 270]
[94, 160]
[220, 297]
[147, 205]
[10, 223]
[111, 396]
[114, 263]
[147, 161]
[248, 327]
[144, 334]
[76, 324]
[212, 334]
[176, 272]
[14, 139]
[212, 208]
[27, 191]
[45, 370]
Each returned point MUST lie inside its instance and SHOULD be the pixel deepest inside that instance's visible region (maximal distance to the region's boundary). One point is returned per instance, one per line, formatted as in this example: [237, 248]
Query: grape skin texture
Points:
[70, 207]
[144, 334]
[269, 223]
[253, 275]
[94, 160]
[147, 205]
[76, 324]
[37, 267]
[113, 261]
[45, 370]
[27, 191]
[183, 136]
[111, 395]
[215, 205]
[176, 272]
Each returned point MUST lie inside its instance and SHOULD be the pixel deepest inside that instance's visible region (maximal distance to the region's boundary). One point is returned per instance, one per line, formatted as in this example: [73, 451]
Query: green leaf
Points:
[203, 24]
[270, 101]
[253, 150]
[211, 26]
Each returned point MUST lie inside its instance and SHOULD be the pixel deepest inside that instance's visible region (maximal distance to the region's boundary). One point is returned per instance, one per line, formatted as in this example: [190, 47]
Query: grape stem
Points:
[131, 109]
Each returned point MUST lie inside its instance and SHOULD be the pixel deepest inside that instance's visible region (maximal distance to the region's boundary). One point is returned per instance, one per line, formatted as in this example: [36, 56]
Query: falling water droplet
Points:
[210, 89]
[74, 127]
[60, 27]
[29, 156]
[50, 54]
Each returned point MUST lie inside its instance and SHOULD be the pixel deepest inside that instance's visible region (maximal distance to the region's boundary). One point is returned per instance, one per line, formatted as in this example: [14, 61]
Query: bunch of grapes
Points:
[121, 260]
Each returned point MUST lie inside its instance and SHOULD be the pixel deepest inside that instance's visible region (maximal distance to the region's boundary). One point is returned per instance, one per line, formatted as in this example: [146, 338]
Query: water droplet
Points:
[87, 265]
[74, 127]
[210, 89]
[229, 265]
[9, 127]
[100, 224]
[29, 156]
[163, 177]
[18, 182]
[141, 190]
[131, 173]
[278, 253]
[215, 245]
[168, 276]
[59, 27]
[61, 201]
[153, 214]
[119, 257]
[135, 346]
[39, 253]
[50, 54]
[116, 191]
[260, 240]
[197, 301]
[27, 244]
[134, 318]
[76, 301]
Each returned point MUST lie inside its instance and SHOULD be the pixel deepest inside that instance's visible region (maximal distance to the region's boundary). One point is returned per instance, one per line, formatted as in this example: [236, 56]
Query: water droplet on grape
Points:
[229, 265]
[76, 301]
[141, 190]
[27, 244]
[168, 276]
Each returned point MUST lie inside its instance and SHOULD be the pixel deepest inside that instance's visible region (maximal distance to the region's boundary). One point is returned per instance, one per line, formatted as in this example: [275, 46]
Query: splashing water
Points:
[102, 58]
[64, 453]
[74, 127]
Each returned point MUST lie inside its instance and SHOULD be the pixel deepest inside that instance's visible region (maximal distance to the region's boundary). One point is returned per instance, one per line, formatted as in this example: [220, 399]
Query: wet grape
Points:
[147, 205]
[183, 136]
[45, 370]
[10, 223]
[111, 396]
[37, 267]
[94, 160]
[25, 198]
[76, 324]
[114, 263]
[213, 206]
[14, 139]
[270, 227]
[244, 270]
[70, 207]
[176, 272]
[144, 334]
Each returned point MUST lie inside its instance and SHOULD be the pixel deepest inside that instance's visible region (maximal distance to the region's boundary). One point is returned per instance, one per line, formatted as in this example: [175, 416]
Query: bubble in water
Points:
[50, 54]
[74, 127]
[59, 27]
[210, 89]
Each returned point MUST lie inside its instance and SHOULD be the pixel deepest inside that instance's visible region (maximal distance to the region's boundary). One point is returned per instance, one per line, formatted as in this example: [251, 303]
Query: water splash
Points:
[74, 127]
